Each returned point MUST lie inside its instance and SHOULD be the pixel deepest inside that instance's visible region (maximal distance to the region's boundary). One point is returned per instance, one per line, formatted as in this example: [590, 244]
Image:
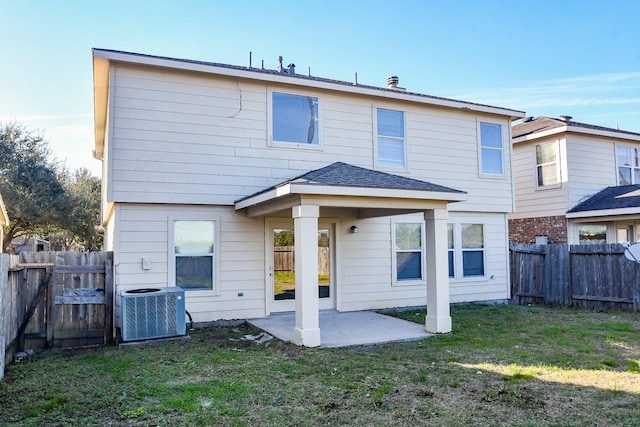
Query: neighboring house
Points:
[30, 244]
[4, 221]
[212, 171]
[575, 183]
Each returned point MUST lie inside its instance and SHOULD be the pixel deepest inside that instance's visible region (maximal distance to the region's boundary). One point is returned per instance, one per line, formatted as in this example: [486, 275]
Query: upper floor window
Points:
[294, 118]
[193, 252]
[391, 140]
[628, 165]
[491, 148]
[547, 164]
[408, 240]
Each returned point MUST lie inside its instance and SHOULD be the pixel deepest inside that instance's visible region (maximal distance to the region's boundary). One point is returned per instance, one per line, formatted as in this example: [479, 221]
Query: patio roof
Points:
[617, 200]
[374, 193]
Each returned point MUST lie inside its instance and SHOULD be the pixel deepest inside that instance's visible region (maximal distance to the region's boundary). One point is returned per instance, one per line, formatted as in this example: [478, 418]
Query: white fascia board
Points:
[604, 133]
[321, 190]
[4, 218]
[538, 135]
[292, 80]
[603, 213]
[577, 129]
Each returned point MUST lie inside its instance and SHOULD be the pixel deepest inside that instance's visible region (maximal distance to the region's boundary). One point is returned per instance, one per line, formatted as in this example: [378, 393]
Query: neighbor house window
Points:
[547, 164]
[294, 118]
[391, 140]
[590, 234]
[628, 165]
[466, 249]
[408, 240]
[491, 148]
[194, 253]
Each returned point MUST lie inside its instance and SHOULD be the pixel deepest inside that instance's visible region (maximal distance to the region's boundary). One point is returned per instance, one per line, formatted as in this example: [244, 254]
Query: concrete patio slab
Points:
[346, 329]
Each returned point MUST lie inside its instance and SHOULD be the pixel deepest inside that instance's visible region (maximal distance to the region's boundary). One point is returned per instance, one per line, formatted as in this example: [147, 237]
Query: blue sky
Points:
[571, 57]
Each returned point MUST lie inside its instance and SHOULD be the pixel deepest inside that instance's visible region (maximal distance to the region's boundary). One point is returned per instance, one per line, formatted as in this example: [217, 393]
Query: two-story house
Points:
[387, 198]
[575, 183]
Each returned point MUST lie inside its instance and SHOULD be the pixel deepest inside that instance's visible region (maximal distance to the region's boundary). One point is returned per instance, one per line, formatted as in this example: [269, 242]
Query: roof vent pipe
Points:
[527, 119]
[566, 118]
[280, 69]
[292, 69]
[392, 82]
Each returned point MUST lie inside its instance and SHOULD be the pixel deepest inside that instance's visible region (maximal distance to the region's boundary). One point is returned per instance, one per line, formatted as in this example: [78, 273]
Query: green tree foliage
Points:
[41, 198]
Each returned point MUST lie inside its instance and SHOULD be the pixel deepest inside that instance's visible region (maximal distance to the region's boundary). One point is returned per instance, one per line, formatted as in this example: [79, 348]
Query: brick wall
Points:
[525, 230]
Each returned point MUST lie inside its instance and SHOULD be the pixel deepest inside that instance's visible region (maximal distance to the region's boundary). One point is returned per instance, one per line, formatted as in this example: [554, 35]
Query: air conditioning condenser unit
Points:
[152, 313]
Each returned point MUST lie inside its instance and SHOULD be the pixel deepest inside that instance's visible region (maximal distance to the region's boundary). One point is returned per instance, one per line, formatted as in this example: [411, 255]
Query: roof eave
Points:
[345, 191]
[292, 80]
[603, 213]
[100, 101]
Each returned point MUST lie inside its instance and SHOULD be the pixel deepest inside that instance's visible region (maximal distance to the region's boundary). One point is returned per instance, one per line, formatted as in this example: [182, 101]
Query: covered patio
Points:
[372, 194]
[347, 328]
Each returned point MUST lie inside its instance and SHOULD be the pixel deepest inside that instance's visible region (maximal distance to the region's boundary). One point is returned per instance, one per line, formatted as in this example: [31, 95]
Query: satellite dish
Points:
[632, 252]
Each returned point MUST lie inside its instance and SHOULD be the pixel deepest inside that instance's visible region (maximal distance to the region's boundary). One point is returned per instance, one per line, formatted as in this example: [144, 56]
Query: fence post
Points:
[5, 305]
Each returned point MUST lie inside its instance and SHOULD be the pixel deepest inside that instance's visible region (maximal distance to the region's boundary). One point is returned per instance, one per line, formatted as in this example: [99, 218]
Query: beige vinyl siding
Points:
[532, 201]
[365, 274]
[144, 233]
[495, 284]
[592, 166]
[189, 138]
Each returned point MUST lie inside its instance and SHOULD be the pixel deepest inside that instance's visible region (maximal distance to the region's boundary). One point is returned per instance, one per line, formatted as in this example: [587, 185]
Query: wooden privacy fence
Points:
[587, 276]
[57, 300]
[283, 259]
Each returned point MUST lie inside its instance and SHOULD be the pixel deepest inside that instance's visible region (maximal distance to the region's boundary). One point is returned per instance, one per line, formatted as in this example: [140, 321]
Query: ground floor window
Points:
[590, 234]
[466, 250]
[194, 254]
[408, 257]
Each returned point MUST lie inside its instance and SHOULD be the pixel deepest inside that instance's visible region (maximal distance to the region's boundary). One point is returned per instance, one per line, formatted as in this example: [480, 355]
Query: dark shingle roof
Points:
[541, 124]
[344, 175]
[298, 76]
[622, 196]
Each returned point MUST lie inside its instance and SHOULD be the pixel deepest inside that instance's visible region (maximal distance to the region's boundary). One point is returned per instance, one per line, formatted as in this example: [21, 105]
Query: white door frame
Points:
[272, 306]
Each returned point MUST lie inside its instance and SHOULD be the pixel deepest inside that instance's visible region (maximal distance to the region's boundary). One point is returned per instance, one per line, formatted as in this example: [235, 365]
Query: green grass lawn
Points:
[502, 365]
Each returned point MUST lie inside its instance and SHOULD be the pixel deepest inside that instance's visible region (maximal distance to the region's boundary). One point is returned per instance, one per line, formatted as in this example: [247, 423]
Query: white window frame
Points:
[558, 182]
[377, 137]
[394, 252]
[481, 148]
[458, 264]
[171, 260]
[635, 154]
[271, 141]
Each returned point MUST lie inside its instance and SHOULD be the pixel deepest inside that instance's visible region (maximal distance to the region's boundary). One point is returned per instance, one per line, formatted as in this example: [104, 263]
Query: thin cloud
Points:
[590, 90]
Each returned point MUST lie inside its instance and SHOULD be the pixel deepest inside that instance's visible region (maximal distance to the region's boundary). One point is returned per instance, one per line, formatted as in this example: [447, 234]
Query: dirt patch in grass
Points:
[501, 365]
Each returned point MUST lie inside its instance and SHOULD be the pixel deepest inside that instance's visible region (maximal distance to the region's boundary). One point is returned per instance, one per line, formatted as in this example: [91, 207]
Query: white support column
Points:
[305, 222]
[438, 315]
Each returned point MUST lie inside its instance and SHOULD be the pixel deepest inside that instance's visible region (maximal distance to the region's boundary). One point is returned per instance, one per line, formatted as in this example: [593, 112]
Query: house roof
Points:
[4, 218]
[344, 175]
[532, 128]
[103, 57]
[622, 199]
[344, 180]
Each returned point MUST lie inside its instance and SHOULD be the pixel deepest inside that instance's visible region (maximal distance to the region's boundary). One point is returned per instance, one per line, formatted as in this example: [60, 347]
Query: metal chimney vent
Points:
[392, 82]
[566, 118]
